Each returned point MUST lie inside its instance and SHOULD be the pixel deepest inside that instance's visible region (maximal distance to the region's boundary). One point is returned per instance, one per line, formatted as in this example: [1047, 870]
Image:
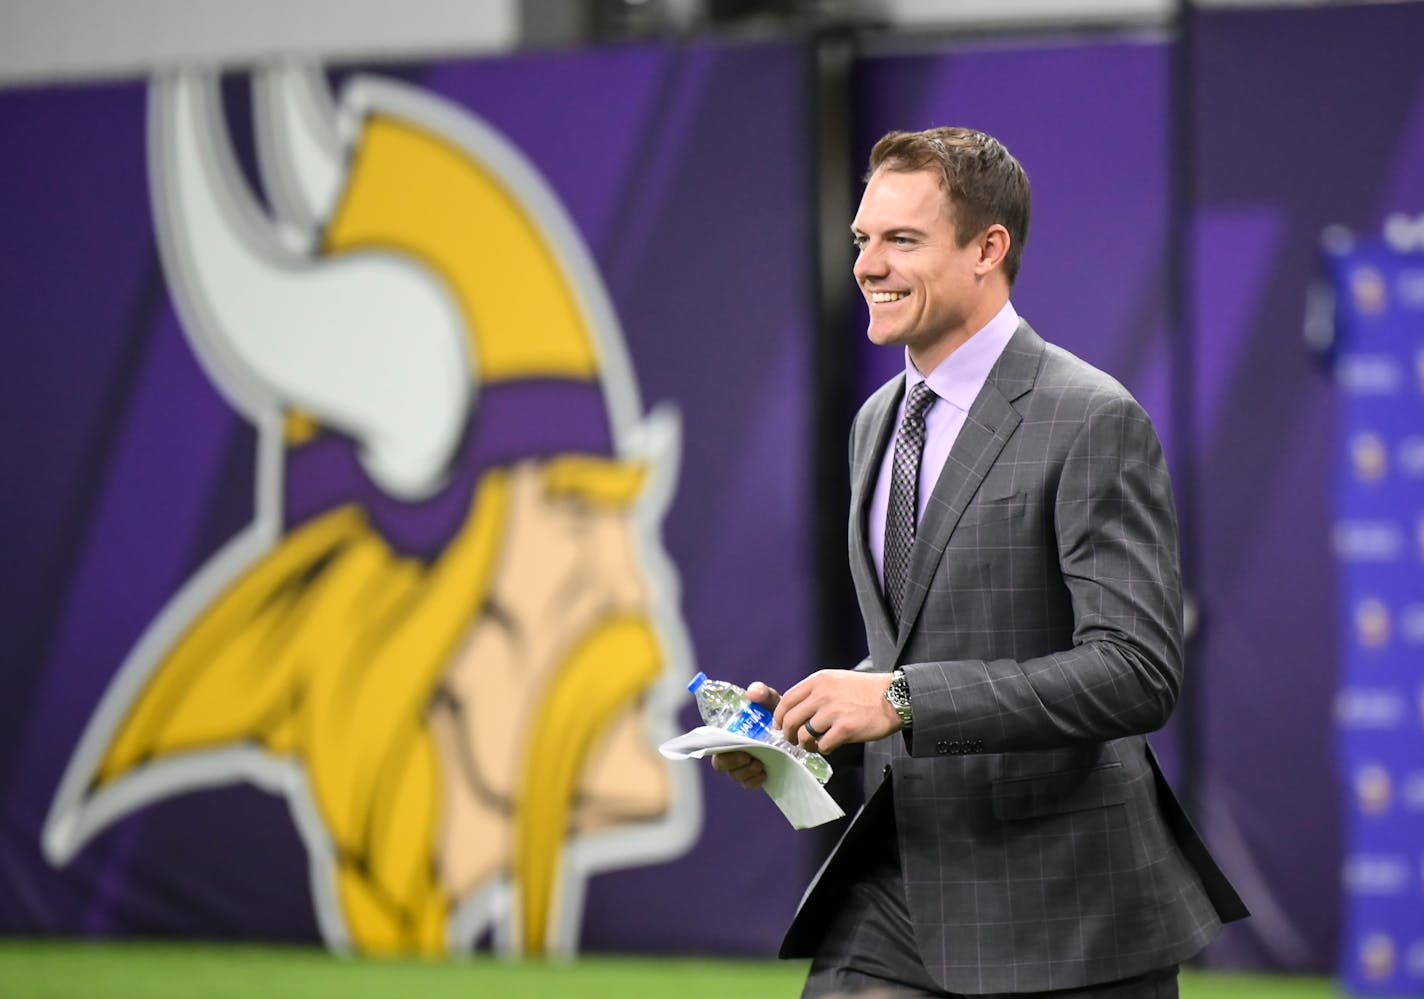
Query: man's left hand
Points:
[842, 705]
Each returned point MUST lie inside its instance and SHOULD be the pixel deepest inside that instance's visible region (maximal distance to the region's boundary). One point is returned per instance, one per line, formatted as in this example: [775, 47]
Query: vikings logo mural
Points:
[449, 637]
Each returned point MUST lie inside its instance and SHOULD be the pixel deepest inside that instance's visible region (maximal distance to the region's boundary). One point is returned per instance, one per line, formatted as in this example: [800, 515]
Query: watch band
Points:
[898, 694]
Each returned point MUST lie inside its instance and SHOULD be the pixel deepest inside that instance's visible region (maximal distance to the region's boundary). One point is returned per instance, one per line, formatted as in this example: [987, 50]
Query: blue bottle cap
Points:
[697, 681]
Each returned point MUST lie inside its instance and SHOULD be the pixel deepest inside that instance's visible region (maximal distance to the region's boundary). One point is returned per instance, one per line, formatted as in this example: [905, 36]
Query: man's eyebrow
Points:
[903, 230]
[608, 482]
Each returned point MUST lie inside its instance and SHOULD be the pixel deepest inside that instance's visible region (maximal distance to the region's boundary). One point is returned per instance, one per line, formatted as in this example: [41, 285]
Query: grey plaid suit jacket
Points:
[1041, 636]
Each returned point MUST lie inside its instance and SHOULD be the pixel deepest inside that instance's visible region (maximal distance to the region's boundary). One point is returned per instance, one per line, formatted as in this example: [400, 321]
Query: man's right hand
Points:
[744, 768]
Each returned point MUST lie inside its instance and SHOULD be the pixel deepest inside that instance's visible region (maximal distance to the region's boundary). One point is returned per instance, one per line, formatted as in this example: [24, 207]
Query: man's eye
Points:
[575, 510]
[858, 242]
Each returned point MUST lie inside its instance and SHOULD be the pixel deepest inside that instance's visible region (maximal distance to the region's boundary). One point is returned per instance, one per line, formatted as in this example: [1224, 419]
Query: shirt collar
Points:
[959, 377]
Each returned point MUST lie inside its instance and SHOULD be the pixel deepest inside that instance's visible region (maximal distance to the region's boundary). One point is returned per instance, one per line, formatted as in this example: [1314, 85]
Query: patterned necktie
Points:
[902, 513]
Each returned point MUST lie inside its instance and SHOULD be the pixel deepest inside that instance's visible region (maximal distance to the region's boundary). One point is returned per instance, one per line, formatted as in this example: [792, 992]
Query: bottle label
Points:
[754, 722]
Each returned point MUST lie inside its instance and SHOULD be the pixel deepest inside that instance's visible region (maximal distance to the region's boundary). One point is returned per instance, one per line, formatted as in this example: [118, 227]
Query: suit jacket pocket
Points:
[992, 510]
[1060, 792]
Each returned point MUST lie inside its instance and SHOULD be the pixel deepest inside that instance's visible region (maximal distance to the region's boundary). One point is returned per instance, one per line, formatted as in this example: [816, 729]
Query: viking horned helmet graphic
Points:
[449, 636]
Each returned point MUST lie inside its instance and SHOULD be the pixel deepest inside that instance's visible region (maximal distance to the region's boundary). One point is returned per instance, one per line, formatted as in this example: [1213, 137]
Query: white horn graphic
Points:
[299, 149]
[370, 343]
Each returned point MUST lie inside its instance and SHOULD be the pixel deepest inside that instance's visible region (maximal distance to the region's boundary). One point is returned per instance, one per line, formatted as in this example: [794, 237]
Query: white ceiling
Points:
[47, 40]
[56, 40]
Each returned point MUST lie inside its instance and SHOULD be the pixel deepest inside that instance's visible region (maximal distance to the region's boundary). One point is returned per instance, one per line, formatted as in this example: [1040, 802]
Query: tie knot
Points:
[921, 396]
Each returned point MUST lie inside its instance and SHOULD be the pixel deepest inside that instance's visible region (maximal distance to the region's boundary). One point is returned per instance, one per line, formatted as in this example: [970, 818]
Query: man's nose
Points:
[631, 591]
[623, 579]
[869, 263]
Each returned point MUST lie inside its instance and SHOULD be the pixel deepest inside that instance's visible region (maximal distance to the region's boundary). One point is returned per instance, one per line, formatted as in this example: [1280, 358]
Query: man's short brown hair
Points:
[981, 179]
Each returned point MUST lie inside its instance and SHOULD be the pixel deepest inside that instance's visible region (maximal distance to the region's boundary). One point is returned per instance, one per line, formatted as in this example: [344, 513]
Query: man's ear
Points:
[993, 249]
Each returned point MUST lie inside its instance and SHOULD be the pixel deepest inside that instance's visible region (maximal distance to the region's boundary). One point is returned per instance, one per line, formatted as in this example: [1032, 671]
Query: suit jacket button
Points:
[887, 770]
[941, 748]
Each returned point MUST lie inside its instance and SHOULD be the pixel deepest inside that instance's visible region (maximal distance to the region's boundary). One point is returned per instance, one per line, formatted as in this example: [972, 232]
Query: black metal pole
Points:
[832, 181]
[1181, 279]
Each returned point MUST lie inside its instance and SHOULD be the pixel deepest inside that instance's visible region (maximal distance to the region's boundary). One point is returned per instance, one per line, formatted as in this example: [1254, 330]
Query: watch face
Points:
[899, 692]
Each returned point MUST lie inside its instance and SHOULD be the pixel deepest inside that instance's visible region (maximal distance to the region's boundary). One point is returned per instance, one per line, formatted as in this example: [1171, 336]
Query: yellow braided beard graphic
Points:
[326, 654]
[600, 680]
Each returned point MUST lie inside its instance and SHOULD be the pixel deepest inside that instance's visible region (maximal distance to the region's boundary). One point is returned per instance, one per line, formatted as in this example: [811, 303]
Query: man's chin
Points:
[623, 780]
[886, 335]
[608, 811]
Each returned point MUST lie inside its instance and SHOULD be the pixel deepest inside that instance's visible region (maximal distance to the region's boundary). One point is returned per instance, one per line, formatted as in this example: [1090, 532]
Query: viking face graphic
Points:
[449, 637]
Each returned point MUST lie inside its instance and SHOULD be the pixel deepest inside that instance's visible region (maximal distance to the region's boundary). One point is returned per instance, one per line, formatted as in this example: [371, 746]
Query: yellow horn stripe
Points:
[417, 193]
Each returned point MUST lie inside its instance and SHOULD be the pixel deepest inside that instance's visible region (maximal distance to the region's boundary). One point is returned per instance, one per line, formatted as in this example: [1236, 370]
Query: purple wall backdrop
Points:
[1304, 118]
[683, 167]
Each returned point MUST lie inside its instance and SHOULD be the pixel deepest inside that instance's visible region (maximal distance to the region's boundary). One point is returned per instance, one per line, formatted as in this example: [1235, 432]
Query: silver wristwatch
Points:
[898, 694]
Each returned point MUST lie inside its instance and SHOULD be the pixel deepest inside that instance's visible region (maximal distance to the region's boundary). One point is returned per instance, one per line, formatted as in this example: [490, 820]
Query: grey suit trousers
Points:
[868, 950]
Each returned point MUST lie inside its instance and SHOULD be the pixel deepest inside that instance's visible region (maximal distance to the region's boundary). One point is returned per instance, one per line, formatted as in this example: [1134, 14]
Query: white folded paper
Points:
[800, 796]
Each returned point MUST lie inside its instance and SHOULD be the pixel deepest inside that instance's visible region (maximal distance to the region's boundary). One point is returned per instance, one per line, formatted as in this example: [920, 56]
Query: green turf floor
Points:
[53, 970]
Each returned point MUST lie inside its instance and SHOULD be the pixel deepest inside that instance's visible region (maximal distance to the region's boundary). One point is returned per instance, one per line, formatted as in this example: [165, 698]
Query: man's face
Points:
[923, 289]
[568, 567]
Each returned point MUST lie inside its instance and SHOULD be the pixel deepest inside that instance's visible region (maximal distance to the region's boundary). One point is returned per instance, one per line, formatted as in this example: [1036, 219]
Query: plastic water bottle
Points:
[726, 706]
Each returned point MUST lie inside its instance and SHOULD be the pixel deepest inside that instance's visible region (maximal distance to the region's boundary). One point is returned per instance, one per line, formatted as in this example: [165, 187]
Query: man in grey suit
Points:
[1013, 543]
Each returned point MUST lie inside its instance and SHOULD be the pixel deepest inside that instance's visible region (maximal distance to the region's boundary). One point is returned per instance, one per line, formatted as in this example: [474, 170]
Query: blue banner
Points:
[1378, 538]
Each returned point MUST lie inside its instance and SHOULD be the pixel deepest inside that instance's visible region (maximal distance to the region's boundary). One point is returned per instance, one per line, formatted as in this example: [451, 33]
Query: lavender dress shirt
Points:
[955, 383]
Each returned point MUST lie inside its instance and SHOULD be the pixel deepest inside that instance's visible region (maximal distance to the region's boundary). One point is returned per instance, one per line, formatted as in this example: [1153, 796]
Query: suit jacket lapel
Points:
[987, 427]
[862, 490]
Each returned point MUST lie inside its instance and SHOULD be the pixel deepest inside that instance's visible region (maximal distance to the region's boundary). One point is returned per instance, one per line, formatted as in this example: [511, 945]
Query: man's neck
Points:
[933, 355]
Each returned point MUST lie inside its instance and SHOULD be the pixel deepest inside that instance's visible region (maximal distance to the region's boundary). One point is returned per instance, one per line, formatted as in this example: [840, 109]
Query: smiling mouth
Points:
[886, 297]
